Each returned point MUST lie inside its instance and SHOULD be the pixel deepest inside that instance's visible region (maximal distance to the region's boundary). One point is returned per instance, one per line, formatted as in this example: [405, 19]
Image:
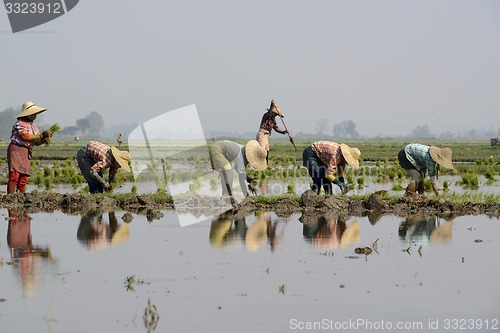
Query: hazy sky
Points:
[387, 65]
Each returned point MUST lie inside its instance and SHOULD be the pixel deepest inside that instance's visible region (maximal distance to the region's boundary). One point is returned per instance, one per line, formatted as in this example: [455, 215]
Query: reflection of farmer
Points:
[326, 162]
[418, 159]
[94, 157]
[228, 156]
[25, 135]
[330, 233]
[267, 125]
[226, 234]
[24, 255]
[95, 234]
[421, 229]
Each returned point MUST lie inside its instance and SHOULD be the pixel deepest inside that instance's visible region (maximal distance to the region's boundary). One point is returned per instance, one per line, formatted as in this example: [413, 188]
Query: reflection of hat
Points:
[442, 156]
[29, 108]
[275, 109]
[442, 233]
[256, 155]
[257, 234]
[122, 157]
[218, 232]
[350, 235]
[351, 155]
[121, 235]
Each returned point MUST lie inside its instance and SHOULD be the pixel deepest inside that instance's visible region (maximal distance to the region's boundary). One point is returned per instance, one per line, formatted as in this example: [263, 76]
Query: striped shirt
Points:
[330, 154]
[21, 132]
[232, 152]
[420, 157]
[101, 154]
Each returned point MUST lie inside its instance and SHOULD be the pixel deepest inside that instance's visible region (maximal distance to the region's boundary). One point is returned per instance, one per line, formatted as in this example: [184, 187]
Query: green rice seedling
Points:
[479, 162]
[361, 182]
[427, 185]
[446, 186]
[469, 179]
[350, 178]
[38, 179]
[392, 175]
[48, 172]
[377, 164]
[134, 189]
[214, 183]
[489, 175]
[195, 185]
[400, 174]
[290, 189]
[48, 182]
[489, 161]
[397, 187]
[162, 197]
[75, 182]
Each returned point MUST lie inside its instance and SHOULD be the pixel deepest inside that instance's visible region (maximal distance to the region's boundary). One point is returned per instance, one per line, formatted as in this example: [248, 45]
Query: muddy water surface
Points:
[260, 273]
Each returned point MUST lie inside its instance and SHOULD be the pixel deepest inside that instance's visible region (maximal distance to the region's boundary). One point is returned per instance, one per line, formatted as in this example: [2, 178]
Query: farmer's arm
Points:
[277, 129]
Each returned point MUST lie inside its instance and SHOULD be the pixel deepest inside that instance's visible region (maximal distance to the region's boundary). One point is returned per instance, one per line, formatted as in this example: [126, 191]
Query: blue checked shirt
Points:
[420, 157]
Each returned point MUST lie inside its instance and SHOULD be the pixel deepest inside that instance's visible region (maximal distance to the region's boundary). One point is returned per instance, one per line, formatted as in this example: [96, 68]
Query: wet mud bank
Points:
[374, 206]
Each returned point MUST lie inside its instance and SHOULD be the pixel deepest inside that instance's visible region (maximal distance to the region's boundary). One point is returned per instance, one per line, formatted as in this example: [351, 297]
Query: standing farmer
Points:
[326, 162]
[267, 124]
[94, 157]
[417, 159]
[25, 135]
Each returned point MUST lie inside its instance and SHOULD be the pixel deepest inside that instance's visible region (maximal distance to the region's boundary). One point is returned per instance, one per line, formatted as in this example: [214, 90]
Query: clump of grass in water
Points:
[134, 189]
[397, 187]
[489, 175]
[150, 316]
[361, 182]
[446, 186]
[469, 180]
[290, 189]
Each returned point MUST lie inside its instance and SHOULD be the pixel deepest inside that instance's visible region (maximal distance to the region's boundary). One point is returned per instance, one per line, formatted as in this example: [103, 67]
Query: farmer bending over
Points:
[94, 157]
[417, 159]
[227, 156]
[326, 162]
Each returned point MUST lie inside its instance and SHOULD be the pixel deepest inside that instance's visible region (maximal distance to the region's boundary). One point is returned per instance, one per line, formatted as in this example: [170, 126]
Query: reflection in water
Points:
[226, 233]
[95, 234]
[25, 256]
[422, 229]
[330, 232]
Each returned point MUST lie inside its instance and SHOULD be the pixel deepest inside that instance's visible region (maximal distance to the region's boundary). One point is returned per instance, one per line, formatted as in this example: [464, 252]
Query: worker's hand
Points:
[47, 134]
[343, 187]
[435, 188]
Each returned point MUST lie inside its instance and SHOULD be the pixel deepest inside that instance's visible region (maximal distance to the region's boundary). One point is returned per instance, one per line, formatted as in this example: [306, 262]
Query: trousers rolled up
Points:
[85, 163]
[317, 171]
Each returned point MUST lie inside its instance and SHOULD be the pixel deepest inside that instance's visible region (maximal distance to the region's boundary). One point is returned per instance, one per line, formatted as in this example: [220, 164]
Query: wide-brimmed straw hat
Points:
[442, 156]
[122, 157]
[256, 155]
[275, 109]
[29, 108]
[351, 155]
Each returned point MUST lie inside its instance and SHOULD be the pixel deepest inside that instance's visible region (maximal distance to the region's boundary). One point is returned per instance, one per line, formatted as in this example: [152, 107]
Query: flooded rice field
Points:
[264, 272]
